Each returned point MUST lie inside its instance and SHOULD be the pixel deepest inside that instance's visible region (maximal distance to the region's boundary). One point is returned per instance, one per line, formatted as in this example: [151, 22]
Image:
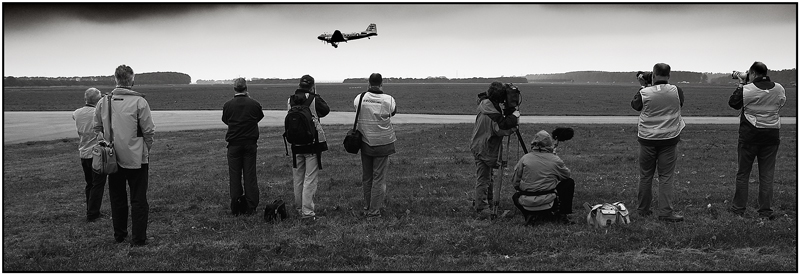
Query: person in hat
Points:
[543, 183]
[375, 123]
[307, 162]
[242, 115]
[95, 183]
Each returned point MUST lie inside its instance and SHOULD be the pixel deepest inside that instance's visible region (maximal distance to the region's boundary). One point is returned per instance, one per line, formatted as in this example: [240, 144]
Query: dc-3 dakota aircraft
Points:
[338, 36]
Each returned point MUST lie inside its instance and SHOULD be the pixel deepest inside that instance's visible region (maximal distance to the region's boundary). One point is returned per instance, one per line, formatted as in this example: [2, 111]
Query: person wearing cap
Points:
[242, 114]
[543, 183]
[375, 124]
[95, 183]
[759, 136]
[659, 131]
[491, 125]
[308, 156]
[133, 130]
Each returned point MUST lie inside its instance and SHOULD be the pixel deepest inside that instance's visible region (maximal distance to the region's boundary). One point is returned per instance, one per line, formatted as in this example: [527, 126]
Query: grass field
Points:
[539, 99]
[427, 226]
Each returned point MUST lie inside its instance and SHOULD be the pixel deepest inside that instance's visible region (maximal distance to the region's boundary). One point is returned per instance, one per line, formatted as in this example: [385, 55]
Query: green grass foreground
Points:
[427, 226]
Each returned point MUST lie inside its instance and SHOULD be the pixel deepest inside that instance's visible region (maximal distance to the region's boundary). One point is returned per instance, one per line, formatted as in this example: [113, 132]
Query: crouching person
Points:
[543, 183]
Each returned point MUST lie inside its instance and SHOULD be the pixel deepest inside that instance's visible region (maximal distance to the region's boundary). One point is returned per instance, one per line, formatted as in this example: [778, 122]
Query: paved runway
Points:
[21, 127]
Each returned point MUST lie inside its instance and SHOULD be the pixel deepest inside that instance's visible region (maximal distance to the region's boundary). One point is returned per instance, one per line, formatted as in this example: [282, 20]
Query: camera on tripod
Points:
[647, 76]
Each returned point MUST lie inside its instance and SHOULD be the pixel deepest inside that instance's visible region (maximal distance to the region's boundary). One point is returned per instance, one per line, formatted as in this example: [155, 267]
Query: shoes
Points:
[769, 216]
[135, 244]
[644, 213]
[565, 220]
[119, 240]
[373, 214]
[671, 218]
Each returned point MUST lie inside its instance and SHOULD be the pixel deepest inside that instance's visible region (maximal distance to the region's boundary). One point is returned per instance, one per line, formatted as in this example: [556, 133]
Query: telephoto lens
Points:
[738, 75]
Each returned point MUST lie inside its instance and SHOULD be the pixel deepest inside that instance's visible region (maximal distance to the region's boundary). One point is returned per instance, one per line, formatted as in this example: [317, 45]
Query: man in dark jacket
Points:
[491, 124]
[759, 136]
[242, 115]
[307, 156]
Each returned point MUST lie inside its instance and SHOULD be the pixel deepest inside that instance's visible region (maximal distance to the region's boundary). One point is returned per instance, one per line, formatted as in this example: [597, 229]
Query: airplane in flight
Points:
[338, 36]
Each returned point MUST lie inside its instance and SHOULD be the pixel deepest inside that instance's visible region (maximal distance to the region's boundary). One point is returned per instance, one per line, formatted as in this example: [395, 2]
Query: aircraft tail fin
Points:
[372, 28]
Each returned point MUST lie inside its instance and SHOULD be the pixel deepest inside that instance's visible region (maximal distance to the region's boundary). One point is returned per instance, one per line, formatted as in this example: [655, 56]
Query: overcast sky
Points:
[224, 41]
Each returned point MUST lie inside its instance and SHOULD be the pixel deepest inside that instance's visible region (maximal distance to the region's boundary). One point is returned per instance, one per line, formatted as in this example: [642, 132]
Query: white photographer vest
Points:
[660, 118]
[374, 121]
[760, 107]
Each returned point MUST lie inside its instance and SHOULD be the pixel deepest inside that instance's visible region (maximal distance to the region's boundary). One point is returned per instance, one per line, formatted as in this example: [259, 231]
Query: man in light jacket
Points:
[133, 130]
[543, 183]
[374, 122]
[95, 183]
[759, 136]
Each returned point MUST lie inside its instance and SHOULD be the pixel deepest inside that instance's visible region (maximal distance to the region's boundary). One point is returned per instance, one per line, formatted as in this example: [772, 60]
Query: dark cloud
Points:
[26, 15]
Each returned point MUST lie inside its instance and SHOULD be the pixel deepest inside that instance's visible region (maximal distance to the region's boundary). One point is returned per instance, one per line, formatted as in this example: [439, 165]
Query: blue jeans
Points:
[651, 160]
[136, 180]
[95, 186]
[766, 155]
[242, 164]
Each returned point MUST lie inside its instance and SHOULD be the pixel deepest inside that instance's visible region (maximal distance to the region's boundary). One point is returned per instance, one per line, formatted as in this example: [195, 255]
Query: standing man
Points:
[133, 130]
[307, 156]
[374, 122]
[242, 115]
[95, 183]
[759, 136]
[491, 125]
[660, 125]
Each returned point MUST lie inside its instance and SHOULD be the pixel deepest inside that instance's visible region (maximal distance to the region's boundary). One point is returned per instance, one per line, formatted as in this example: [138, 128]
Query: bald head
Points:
[91, 96]
[758, 69]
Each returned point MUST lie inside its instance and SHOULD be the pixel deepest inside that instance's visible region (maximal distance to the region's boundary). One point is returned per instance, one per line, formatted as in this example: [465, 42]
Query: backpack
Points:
[299, 128]
[240, 206]
[275, 211]
[299, 124]
[607, 214]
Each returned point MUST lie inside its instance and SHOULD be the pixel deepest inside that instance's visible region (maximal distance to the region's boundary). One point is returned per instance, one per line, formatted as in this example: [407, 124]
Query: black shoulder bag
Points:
[352, 141]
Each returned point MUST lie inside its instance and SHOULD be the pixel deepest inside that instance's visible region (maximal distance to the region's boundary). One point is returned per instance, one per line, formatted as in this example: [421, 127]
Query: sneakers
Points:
[671, 218]
[642, 213]
[769, 216]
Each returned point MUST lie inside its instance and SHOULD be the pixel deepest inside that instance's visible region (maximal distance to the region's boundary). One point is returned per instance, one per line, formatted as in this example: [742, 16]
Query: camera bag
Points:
[104, 157]
[352, 141]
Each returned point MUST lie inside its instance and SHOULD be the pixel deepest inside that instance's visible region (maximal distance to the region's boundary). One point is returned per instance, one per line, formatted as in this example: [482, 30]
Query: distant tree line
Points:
[140, 79]
[787, 77]
[442, 79]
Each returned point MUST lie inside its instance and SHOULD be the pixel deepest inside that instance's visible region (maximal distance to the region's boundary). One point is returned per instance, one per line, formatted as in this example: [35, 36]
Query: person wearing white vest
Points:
[374, 122]
[660, 125]
[95, 183]
[759, 136]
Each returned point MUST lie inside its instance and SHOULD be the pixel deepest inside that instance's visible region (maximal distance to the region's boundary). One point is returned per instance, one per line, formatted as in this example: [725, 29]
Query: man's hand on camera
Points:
[642, 81]
[516, 114]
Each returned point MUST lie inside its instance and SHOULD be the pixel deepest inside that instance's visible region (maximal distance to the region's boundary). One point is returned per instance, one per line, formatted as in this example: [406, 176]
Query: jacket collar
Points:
[375, 90]
[302, 91]
[126, 91]
[762, 79]
[240, 94]
[660, 82]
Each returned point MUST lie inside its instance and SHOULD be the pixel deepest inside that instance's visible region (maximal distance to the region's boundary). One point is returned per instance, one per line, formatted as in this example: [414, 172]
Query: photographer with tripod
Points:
[660, 125]
[496, 119]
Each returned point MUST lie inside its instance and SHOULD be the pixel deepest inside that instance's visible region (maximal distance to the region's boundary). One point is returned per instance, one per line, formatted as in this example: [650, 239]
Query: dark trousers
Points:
[766, 155]
[136, 180]
[95, 186]
[242, 164]
[563, 204]
[662, 160]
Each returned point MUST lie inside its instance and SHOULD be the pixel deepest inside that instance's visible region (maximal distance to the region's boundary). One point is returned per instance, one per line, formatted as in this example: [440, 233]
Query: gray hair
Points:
[91, 96]
[124, 76]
